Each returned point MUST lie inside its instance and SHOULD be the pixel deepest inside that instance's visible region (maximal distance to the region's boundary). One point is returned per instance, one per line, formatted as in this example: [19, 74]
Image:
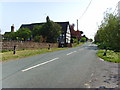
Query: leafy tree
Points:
[108, 34]
[24, 34]
[7, 36]
[83, 39]
[51, 30]
[37, 38]
[10, 36]
[36, 30]
[13, 35]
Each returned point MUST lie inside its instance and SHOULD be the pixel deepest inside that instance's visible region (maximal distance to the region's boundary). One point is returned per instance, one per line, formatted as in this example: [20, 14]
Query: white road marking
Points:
[90, 81]
[87, 85]
[39, 64]
[91, 74]
[101, 59]
[71, 52]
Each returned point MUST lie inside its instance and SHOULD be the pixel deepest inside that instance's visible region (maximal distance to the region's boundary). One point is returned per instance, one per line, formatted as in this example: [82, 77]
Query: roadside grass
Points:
[25, 53]
[111, 56]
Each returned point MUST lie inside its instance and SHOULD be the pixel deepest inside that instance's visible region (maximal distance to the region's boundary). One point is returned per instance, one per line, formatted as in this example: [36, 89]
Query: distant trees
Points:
[108, 34]
[83, 38]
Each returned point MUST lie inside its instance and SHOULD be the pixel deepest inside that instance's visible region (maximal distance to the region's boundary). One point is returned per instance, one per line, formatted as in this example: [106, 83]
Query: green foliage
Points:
[51, 30]
[10, 36]
[83, 39]
[25, 53]
[108, 34]
[37, 30]
[75, 40]
[90, 40]
[111, 56]
[24, 34]
[37, 38]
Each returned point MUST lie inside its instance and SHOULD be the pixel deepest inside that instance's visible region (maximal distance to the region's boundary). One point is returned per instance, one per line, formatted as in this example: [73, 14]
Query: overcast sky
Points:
[19, 12]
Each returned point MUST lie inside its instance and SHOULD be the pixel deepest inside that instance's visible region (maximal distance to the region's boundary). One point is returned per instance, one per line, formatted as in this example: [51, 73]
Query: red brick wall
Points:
[25, 45]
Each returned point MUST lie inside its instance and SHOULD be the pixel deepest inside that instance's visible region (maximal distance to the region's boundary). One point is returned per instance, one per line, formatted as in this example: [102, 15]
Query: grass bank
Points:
[111, 56]
[25, 53]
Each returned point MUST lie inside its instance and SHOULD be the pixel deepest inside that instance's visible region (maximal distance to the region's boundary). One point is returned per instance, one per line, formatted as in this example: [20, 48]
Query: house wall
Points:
[8, 45]
[68, 35]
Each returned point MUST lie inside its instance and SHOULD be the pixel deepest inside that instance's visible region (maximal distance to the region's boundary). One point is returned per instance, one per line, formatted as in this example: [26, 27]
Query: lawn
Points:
[111, 56]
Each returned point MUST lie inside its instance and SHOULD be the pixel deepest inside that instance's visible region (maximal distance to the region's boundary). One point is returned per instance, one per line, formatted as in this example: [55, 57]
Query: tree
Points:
[10, 36]
[37, 30]
[37, 38]
[108, 34]
[24, 34]
[51, 31]
[83, 39]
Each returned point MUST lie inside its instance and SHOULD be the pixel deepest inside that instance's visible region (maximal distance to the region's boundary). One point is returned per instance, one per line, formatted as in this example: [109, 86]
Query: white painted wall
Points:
[68, 35]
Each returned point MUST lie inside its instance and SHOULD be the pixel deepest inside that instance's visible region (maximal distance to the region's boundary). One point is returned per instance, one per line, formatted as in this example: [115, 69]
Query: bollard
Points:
[14, 50]
[105, 52]
[49, 47]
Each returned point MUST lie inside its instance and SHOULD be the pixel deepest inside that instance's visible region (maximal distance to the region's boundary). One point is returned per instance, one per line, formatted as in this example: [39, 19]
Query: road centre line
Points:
[39, 64]
[71, 52]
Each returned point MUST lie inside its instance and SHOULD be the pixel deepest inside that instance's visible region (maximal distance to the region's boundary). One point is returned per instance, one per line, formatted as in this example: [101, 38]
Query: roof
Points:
[30, 26]
[7, 32]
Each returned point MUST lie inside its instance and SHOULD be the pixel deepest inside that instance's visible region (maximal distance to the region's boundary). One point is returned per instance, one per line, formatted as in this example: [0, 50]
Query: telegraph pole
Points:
[77, 24]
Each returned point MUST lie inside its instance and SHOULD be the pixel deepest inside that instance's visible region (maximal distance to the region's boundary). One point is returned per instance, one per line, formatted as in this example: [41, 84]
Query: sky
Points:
[20, 12]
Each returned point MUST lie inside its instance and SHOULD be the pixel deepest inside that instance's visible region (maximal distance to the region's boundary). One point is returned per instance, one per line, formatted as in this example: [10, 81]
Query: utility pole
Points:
[77, 24]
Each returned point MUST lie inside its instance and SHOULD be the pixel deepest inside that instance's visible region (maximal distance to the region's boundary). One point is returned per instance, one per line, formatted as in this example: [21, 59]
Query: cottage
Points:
[64, 39]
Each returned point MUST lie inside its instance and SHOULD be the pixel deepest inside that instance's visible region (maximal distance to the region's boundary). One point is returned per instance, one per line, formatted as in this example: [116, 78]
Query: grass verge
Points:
[111, 56]
[25, 53]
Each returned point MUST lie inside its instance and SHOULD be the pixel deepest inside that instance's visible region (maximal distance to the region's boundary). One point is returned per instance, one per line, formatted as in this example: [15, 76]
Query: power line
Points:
[86, 9]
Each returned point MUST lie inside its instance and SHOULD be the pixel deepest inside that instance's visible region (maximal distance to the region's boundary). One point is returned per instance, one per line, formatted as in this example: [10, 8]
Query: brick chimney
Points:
[12, 28]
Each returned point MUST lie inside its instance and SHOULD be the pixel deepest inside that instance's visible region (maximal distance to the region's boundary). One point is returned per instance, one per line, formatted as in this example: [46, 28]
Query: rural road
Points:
[70, 68]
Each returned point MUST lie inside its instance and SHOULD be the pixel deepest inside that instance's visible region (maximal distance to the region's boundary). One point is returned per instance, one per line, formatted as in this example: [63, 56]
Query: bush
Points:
[83, 39]
[37, 38]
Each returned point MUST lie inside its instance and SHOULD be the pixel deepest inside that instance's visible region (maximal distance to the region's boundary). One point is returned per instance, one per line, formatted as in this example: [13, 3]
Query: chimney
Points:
[47, 19]
[12, 28]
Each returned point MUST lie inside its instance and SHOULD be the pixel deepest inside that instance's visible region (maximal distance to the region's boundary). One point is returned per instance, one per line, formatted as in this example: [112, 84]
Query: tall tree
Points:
[37, 30]
[51, 31]
[108, 34]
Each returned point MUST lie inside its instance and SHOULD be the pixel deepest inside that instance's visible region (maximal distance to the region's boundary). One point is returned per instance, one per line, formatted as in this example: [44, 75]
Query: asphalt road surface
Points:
[69, 68]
